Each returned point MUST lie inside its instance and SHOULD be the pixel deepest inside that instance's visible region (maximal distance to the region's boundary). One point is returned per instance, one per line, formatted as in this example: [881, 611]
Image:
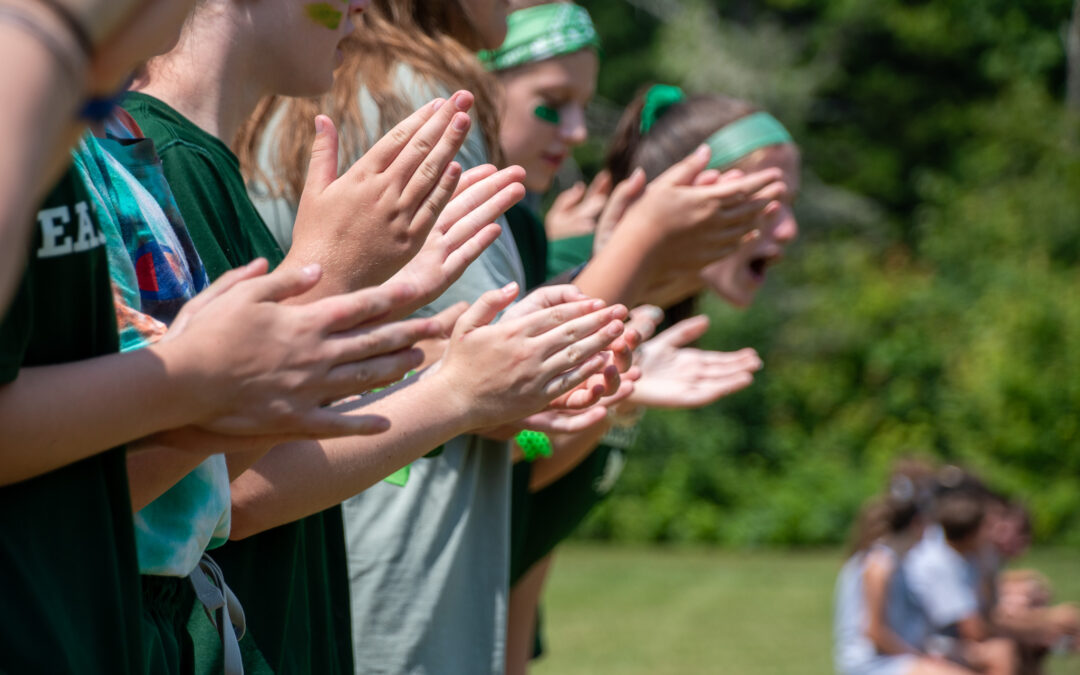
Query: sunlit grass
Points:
[675, 612]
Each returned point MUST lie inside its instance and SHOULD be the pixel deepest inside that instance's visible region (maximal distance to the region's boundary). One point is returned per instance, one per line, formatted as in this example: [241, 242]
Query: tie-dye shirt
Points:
[154, 270]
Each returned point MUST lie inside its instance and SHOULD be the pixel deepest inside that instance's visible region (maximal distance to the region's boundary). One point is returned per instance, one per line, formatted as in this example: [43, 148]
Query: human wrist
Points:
[458, 406]
[195, 393]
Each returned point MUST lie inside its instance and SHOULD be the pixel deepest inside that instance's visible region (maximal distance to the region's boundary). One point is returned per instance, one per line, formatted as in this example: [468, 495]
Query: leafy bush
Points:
[931, 303]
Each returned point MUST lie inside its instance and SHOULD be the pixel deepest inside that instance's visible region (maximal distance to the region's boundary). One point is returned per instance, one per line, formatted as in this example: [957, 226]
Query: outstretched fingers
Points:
[368, 305]
[544, 320]
[386, 149]
[282, 284]
[686, 171]
[328, 423]
[366, 343]
[684, 332]
[597, 194]
[743, 188]
[485, 199]
[567, 380]
[223, 284]
[569, 198]
[486, 308]
[436, 200]
[552, 422]
[622, 196]
[565, 350]
[419, 165]
[543, 298]
[474, 176]
[596, 387]
[361, 376]
[323, 165]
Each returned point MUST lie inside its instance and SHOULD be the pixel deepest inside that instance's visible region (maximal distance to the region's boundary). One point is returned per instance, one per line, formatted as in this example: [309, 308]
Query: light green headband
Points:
[732, 142]
[543, 32]
[743, 136]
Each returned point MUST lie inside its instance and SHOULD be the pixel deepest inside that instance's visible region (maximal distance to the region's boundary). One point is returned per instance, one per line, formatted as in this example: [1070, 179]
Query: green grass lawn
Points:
[676, 612]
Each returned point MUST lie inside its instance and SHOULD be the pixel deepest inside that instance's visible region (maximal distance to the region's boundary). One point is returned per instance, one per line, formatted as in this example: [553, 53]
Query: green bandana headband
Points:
[543, 32]
[729, 144]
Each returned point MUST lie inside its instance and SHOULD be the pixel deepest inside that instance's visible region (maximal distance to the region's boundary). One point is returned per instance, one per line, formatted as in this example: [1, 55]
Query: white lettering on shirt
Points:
[52, 223]
[88, 237]
[56, 239]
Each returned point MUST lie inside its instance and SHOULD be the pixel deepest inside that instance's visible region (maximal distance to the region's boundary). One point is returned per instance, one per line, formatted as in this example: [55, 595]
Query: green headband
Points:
[543, 32]
[743, 136]
[729, 144]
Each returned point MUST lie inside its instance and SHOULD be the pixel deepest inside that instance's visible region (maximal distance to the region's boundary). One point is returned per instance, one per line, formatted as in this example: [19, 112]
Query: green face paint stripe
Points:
[324, 15]
[547, 113]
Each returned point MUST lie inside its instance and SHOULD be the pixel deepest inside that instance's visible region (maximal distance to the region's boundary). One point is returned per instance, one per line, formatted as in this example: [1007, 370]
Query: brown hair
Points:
[677, 133]
[674, 135]
[960, 513]
[433, 37]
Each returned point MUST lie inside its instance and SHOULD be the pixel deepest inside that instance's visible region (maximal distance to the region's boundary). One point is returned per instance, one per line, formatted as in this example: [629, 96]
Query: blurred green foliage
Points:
[931, 303]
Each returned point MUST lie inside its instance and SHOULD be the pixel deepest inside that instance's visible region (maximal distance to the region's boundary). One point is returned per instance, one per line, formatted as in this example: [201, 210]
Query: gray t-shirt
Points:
[429, 561]
[944, 582]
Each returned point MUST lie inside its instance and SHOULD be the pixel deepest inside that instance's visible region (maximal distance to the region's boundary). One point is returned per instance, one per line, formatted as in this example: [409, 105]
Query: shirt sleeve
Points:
[206, 207]
[940, 583]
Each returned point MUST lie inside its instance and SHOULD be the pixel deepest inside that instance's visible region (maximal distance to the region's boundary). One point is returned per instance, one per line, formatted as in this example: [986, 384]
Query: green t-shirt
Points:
[564, 254]
[67, 550]
[532, 243]
[292, 580]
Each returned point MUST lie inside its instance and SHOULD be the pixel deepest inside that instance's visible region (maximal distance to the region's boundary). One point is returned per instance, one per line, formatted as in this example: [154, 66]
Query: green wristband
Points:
[533, 444]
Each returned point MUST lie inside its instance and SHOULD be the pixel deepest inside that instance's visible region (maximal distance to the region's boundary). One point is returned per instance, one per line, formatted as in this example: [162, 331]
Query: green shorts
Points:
[167, 645]
[293, 583]
[541, 520]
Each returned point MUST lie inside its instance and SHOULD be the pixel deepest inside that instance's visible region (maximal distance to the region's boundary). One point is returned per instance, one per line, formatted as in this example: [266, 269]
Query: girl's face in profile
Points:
[544, 113]
[302, 42]
[738, 277]
[488, 19]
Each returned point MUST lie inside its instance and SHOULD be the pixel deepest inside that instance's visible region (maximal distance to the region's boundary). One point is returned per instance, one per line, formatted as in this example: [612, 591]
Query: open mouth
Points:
[758, 266]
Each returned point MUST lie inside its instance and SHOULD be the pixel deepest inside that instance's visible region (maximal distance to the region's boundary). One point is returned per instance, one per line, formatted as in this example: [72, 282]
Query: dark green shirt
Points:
[67, 549]
[292, 580]
[532, 243]
[565, 254]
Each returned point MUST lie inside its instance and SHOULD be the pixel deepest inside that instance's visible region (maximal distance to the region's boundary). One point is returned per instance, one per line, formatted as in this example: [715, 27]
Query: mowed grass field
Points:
[685, 612]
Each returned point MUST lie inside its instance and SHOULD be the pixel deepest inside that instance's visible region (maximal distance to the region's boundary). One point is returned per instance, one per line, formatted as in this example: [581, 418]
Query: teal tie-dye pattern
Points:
[155, 270]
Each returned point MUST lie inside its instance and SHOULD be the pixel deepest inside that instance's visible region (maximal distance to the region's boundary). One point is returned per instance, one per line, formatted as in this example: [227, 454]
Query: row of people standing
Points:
[388, 547]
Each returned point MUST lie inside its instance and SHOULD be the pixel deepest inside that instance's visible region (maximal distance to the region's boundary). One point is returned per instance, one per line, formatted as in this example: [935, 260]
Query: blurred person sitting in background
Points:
[879, 629]
[944, 577]
[1018, 601]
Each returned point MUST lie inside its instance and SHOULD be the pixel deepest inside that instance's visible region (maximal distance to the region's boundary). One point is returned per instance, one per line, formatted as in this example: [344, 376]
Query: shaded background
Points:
[930, 305]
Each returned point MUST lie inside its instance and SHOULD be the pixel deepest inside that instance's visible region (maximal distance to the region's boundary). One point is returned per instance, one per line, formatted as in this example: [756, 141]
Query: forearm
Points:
[618, 272]
[568, 450]
[157, 463]
[55, 415]
[153, 469]
[1031, 627]
[295, 480]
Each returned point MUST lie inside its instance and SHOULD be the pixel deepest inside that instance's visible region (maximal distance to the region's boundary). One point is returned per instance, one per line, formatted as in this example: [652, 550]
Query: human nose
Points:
[573, 129]
[786, 228]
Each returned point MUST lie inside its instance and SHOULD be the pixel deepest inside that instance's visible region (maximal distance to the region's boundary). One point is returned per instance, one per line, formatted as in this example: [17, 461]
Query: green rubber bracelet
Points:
[533, 444]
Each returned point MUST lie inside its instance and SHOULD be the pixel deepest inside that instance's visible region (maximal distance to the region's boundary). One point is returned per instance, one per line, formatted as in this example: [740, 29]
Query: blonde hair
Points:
[433, 37]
